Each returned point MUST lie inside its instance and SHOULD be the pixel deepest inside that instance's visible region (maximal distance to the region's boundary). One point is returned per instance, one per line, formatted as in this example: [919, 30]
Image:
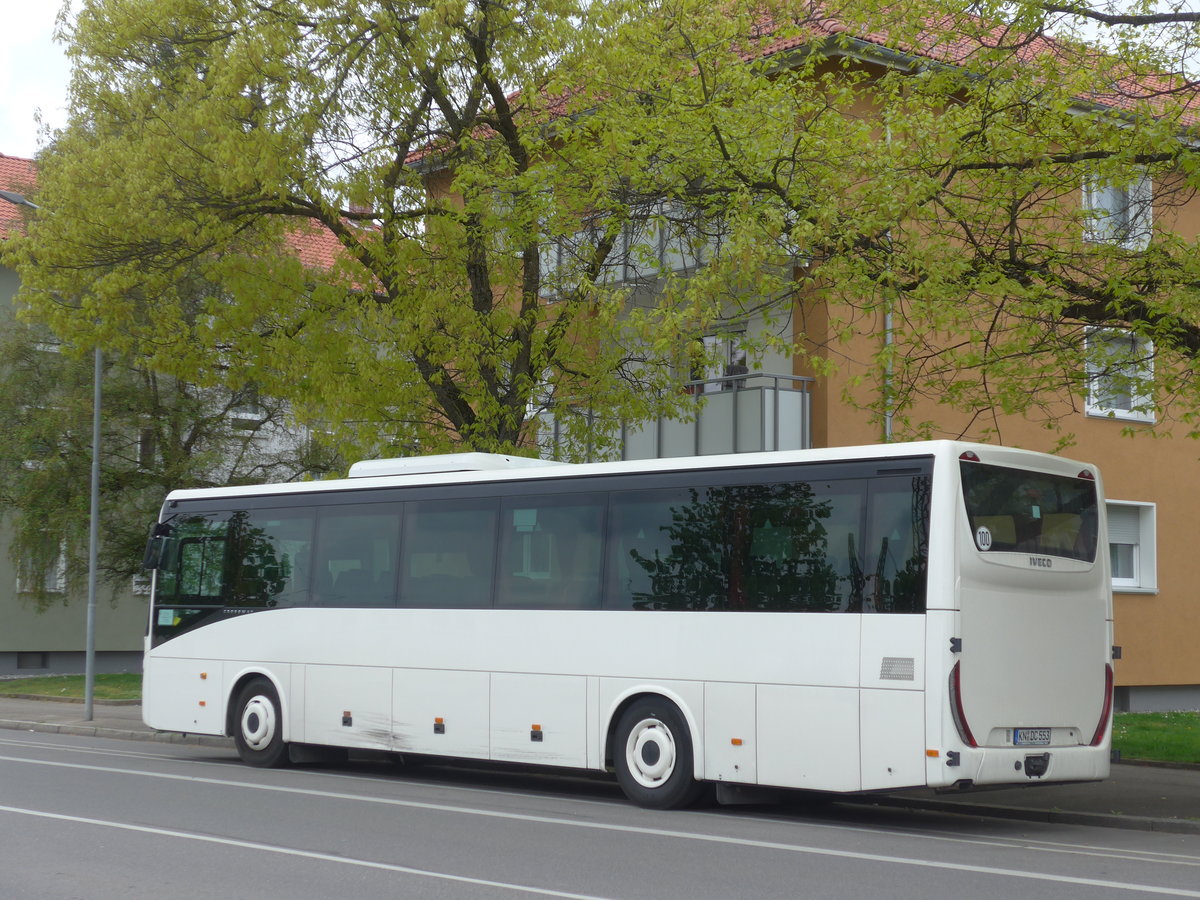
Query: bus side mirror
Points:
[158, 547]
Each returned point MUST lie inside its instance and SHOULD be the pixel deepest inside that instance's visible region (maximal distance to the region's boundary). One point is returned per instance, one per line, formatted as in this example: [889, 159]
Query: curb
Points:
[1155, 764]
[1053, 816]
[50, 699]
[162, 737]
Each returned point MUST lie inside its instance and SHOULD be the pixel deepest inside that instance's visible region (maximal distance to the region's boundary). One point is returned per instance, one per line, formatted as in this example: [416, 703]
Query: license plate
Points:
[1031, 737]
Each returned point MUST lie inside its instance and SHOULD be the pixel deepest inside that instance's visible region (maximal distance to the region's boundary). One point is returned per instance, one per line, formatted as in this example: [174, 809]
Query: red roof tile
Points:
[19, 175]
[947, 40]
[955, 40]
[316, 247]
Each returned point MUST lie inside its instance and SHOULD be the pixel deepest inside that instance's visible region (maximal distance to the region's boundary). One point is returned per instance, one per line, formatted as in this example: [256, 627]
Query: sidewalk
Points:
[1141, 797]
[1136, 796]
[113, 718]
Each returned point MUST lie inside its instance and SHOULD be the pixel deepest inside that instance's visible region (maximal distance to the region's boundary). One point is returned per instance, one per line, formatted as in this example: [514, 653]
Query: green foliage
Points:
[158, 434]
[207, 136]
[926, 172]
[945, 198]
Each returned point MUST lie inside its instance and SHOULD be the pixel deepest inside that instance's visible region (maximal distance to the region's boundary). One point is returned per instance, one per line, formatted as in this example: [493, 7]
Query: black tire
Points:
[258, 726]
[652, 753]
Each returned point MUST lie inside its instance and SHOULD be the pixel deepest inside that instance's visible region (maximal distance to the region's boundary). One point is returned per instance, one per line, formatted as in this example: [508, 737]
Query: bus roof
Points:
[463, 468]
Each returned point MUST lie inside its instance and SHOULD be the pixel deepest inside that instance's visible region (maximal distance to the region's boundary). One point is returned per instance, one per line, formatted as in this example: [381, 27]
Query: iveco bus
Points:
[856, 619]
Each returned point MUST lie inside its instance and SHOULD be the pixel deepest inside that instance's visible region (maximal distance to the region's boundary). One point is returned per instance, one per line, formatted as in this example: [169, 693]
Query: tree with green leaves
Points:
[957, 199]
[448, 149]
[158, 434]
[975, 196]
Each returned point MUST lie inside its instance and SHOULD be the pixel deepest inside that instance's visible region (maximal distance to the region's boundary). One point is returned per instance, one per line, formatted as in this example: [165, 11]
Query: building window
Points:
[147, 448]
[53, 581]
[1119, 213]
[667, 237]
[564, 260]
[32, 659]
[718, 358]
[1131, 547]
[1120, 375]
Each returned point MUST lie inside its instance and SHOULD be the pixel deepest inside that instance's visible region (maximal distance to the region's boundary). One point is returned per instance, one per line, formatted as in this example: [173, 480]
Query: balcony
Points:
[733, 414]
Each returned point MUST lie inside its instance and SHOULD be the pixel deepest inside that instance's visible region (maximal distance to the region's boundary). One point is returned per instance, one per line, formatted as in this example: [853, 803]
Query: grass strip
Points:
[124, 686]
[1161, 737]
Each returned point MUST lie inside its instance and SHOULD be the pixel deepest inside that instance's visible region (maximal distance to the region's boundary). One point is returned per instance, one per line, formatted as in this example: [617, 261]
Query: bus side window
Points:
[660, 550]
[550, 550]
[355, 556]
[787, 565]
[201, 568]
[842, 529]
[193, 563]
[447, 554]
[193, 579]
[897, 548]
[266, 545]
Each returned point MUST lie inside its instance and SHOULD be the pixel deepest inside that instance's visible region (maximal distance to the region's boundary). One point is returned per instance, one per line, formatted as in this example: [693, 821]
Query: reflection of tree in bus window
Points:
[739, 547]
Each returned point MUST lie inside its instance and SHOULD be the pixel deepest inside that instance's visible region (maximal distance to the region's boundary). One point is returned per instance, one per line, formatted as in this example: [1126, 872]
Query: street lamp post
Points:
[89, 677]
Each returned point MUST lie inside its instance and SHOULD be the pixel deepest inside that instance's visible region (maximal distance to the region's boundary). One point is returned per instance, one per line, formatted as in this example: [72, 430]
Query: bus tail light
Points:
[1106, 710]
[956, 708]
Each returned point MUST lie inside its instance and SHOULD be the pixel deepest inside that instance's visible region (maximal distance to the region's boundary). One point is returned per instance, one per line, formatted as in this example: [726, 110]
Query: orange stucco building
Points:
[1152, 485]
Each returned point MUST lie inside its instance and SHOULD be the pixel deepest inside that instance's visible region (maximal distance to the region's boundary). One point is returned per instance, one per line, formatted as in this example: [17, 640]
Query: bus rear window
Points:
[1016, 510]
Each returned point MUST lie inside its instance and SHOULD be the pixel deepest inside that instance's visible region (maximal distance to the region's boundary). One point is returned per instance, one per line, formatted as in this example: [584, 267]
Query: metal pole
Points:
[89, 677]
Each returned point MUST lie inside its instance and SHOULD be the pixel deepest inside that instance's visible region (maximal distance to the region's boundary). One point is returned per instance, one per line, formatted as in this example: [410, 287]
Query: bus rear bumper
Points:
[1024, 765]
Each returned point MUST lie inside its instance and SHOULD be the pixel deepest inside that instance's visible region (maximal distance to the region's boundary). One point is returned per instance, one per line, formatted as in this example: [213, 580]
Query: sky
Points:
[33, 74]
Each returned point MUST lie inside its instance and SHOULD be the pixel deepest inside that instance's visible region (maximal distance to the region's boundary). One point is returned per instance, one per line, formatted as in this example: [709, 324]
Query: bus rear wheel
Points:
[653, 755]
[258, 726]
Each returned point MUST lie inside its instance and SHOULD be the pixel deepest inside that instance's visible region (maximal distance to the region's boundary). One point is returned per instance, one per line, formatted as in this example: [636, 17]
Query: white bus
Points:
[856, 619]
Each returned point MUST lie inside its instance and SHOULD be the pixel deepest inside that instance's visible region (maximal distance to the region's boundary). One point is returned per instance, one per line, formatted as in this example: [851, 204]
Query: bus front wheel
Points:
[258, 726]
[653, 755]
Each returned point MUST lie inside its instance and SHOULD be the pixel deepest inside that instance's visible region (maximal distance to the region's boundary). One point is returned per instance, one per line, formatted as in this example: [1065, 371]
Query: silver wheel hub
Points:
[650, 753]
[258, 722]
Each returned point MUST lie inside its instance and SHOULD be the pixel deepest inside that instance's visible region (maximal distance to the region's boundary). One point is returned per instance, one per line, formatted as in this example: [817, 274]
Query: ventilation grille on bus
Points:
[897, 668]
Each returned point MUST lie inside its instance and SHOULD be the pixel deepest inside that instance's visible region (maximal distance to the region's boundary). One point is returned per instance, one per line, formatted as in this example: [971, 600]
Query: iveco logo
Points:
[1040, 562]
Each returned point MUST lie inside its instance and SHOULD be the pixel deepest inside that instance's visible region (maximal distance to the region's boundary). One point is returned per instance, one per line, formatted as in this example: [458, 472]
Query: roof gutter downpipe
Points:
[888, 340]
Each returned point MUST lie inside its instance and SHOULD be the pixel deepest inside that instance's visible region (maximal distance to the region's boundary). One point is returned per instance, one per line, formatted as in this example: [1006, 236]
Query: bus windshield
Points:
[1020, 511]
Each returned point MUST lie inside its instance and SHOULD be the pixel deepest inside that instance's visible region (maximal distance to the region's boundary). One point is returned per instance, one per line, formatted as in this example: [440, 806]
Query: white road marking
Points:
[292, 851]
[599, 826]
[1039, 846]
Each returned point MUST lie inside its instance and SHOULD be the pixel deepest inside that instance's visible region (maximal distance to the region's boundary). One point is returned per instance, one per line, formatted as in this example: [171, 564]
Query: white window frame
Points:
[1140, 377]
[1121, 214]
[1144, 539]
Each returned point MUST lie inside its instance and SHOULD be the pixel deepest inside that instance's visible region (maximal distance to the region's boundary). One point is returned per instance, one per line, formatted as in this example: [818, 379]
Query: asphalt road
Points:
[95, 818]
